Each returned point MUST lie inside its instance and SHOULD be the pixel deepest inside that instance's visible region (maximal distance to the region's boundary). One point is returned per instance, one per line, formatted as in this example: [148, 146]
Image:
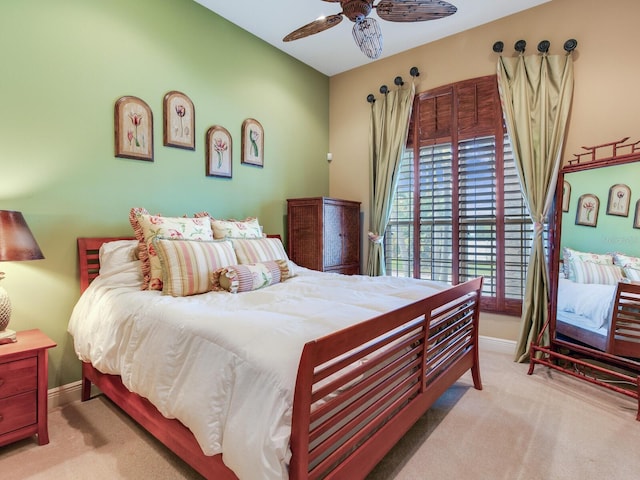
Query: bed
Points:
[376, 357]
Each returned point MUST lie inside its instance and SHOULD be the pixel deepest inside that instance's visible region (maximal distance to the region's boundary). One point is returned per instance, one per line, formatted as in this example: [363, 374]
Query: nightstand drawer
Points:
[18, 411]
[18, 377]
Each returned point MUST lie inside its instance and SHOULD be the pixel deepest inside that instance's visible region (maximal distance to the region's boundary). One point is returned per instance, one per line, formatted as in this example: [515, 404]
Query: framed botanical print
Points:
[133, 129]
[636, 218]
[566, 196]
[252, 143]
[179, 121]
[587, 211]
[218, 152]
[619, 198]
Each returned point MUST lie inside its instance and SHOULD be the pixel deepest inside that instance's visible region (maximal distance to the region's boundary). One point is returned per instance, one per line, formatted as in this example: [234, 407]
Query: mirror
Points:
[595, 256]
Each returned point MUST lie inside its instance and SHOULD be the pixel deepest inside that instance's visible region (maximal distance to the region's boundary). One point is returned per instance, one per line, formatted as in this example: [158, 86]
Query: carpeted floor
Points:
[547, 426]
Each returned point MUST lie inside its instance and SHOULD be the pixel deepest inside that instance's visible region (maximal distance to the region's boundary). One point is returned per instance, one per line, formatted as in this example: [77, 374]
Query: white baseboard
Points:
[498, 345]
[64, 394]
[71, 392]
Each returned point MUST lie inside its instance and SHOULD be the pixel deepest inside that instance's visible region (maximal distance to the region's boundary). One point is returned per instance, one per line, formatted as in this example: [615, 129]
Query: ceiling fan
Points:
[366, 31]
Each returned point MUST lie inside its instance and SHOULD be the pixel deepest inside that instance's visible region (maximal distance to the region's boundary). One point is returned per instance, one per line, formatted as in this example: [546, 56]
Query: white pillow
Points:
[114, 255]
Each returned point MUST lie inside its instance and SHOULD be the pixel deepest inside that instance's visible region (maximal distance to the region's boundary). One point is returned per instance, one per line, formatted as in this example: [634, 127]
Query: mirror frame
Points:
[599, 156]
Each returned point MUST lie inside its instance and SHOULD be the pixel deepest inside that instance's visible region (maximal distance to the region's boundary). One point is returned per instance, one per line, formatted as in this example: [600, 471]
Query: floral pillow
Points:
[626, 261]
[247, 228]
[245, 278]
[147, 227]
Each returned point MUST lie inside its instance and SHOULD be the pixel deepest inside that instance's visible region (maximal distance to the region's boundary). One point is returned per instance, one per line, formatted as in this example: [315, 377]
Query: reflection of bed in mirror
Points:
[605, 317]
[594, 258]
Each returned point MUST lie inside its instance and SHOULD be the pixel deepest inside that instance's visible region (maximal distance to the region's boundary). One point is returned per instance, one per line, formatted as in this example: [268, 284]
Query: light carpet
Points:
[547, 426]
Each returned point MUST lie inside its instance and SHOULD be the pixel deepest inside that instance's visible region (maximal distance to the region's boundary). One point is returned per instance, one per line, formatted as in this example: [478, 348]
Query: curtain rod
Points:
[414, 72]
[543, 47]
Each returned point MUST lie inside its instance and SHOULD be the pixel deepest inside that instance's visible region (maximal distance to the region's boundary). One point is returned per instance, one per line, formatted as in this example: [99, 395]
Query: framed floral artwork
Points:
[252, 143]
[133, 129]
[179, 121]
[636, 218]
[619, 198]
[566, 196]
[587, 211]
[218, 152]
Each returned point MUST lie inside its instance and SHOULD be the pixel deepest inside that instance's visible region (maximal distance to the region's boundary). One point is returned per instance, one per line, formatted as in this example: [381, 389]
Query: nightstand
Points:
[23, 387]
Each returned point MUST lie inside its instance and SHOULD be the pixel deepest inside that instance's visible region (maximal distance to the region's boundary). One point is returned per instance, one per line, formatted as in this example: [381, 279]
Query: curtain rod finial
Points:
[570, 45]
[498, 47]
[543, 46]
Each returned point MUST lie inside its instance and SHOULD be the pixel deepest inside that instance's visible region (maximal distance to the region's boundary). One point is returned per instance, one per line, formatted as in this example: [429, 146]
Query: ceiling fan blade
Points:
[414, 11]
[317, 26]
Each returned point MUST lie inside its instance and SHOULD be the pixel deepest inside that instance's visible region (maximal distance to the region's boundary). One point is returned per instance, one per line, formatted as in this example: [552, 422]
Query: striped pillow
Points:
[632, 274]
[589, 272]
[569, 254]
[244, 278]
[187, 265]
[256, 250]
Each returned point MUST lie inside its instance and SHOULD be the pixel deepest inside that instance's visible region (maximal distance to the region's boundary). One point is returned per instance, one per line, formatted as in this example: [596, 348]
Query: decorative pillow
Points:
[569, 254]
[114, 255]
[632, 274]
[187, 265]
[255, 250]
[244, 278]
[590, 272]
[147, 227]
[626, 261]
[247, 228]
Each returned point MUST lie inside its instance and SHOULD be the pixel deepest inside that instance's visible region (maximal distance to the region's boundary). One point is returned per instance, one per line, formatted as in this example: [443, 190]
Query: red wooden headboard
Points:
[88, 258]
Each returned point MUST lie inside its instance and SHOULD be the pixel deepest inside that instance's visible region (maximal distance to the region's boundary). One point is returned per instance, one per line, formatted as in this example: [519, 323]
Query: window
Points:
[458, 212]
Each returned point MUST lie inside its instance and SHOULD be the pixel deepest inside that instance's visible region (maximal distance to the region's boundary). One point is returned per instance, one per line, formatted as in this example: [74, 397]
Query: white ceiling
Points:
[334, 51]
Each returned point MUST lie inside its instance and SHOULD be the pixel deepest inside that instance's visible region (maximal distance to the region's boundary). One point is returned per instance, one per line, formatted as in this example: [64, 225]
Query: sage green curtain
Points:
[536, 93]
[388, 130]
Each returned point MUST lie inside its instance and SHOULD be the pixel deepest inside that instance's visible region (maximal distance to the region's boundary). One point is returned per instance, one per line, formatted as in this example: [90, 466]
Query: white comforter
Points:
[225, 364]
[588, 304]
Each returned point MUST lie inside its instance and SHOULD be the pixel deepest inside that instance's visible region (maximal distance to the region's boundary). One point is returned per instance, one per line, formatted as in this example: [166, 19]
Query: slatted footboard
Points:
[359, 390]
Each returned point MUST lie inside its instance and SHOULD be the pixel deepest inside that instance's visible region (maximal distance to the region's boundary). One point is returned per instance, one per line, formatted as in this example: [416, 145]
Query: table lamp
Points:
[16, 244]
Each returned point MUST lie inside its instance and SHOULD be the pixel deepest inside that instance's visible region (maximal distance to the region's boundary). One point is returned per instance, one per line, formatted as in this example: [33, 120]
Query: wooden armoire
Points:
[324, 234]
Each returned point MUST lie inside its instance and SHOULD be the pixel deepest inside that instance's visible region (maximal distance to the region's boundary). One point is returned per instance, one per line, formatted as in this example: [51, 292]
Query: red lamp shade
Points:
[16, 244]
[16, 240]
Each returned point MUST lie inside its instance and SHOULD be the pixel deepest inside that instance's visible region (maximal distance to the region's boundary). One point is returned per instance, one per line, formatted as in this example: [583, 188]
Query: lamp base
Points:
[7, 336]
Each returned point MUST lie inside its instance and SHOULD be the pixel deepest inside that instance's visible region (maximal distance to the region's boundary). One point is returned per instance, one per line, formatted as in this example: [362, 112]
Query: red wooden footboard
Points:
[349, 412]
[357, 391]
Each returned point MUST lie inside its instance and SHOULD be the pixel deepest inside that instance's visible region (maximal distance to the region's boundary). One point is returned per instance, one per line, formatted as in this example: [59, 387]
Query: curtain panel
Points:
[536, 93]
[388, 130]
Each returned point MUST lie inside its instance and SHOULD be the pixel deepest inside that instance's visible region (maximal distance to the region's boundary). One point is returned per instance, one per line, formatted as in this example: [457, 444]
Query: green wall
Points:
[612, 233]
[66, 62]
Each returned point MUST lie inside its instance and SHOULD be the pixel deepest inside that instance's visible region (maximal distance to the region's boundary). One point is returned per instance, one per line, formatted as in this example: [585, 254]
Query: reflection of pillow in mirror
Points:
[632, 274]
[569, 254]
[626, 261]
[589, 272]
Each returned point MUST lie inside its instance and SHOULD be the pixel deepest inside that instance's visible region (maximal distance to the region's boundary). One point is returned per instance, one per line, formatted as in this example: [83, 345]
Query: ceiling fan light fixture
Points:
[368, 37]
